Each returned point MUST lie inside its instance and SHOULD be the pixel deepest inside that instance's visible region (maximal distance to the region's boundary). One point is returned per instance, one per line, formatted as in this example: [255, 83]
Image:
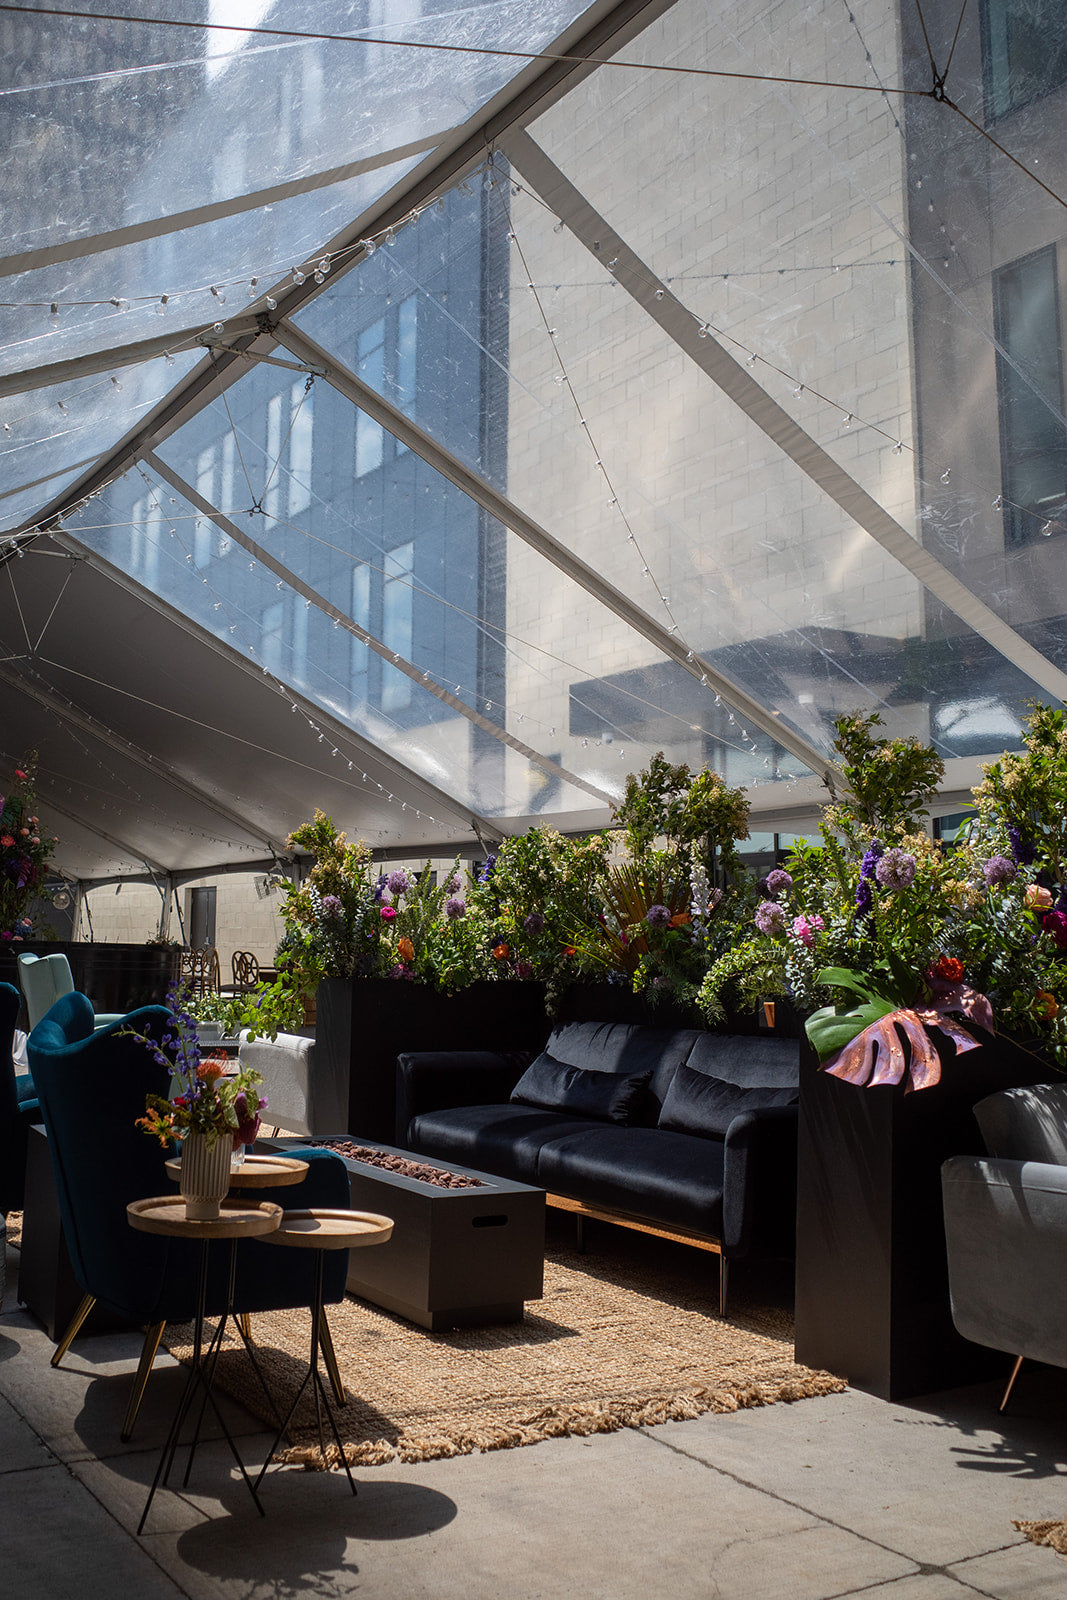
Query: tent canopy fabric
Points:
[428, 413]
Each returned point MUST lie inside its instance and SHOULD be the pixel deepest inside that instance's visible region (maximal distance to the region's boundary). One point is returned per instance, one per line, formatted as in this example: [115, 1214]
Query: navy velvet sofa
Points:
[680, 1132]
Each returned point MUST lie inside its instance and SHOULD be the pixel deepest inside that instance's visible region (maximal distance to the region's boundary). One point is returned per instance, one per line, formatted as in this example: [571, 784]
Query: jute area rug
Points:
[612, 1344]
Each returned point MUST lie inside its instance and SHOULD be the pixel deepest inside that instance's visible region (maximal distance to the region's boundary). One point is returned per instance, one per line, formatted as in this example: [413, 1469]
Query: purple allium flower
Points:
[896, 869]
[454, 884]
[875, 851]
[454, 908]
[487, 871]
[331, 905]
[534, 923]
[398, 882]
[1022, 848]
[658, 916]
[770, 918]
[523, 969]
[998, 869]
[864, 897]
[778, 881]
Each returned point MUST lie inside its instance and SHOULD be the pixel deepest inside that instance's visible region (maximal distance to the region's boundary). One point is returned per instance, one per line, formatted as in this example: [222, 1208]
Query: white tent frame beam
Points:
[656, 300]
[218, 211]
[527, 94]
[312, 711]
[525, 528]
[51, 701]
[343, 620]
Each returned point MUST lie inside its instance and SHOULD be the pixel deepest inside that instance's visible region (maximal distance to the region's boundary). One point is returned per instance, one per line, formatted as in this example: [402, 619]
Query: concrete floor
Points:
[824, 1498]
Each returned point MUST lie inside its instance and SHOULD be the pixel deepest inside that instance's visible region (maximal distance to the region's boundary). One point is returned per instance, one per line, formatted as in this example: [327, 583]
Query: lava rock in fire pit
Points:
[419, 1170]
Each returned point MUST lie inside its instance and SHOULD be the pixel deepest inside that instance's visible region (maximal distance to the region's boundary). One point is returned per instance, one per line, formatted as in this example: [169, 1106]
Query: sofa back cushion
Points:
[747, 1059]
[603, 1096]
[697, 1103]
[628, 1048]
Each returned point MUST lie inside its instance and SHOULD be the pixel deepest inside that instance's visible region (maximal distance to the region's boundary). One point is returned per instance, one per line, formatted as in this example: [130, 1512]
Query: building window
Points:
[1024, 51]
[388, 363]
[360, 660]
[397, 623]
[270, 640]
[1033, 442]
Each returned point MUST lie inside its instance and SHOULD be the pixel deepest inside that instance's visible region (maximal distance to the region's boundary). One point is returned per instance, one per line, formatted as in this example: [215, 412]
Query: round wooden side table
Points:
[321, 1229]
[165, 1214]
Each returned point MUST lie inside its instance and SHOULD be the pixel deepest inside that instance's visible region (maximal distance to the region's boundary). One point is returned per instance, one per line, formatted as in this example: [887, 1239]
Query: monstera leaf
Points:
[864, 1045]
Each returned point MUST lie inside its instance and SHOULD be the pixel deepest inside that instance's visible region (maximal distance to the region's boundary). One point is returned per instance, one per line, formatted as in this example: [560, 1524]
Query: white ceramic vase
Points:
[205, 1175]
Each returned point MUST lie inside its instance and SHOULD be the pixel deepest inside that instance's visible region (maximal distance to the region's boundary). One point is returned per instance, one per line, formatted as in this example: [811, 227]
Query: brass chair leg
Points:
[724, 1274]
[144, 1367]
[244, 1322]
[85, 1306]
[333, 1370]
[1003, 1406]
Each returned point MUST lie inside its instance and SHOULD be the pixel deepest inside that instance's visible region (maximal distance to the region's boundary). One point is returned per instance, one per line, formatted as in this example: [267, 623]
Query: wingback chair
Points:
[46, 979]
[1006, 1228]
[15, 1115]
[92, 1087]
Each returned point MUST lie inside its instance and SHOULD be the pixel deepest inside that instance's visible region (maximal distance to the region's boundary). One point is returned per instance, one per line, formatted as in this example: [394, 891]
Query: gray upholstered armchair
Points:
[1006, 1228]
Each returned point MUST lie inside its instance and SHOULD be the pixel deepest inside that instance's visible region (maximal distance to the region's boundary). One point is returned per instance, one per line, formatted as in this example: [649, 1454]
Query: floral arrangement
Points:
[207, 1101]
[24, 854]
[881, 932]
[670, 906]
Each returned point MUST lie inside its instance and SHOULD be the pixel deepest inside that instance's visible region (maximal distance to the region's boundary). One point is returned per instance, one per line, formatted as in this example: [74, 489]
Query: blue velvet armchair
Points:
[92, 1087]
[16, 1114]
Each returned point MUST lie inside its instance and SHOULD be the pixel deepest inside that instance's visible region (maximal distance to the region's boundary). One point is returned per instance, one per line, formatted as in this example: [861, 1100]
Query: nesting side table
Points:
[320, 1230]
[166, 1214]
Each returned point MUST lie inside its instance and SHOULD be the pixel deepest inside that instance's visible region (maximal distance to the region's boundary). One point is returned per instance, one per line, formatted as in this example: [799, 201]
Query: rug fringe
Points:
[567, 1421]
[1051, 1532]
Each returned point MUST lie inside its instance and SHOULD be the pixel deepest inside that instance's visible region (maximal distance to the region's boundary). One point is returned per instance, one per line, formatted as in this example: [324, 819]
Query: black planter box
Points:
[365, 1023]
[872, 1300]
[457, 1257]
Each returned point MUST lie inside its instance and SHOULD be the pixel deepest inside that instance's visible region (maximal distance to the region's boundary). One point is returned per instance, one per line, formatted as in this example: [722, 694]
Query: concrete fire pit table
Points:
[458, 1255]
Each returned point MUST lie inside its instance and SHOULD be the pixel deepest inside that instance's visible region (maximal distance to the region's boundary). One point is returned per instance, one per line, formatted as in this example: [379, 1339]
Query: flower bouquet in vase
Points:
[212, 1112]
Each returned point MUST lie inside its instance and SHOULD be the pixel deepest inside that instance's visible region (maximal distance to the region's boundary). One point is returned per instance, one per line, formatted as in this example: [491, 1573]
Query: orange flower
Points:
[1045, 1005]
[501, 952]
[680, 919]
[405, 949]
[211, 1067]
[950, 968]
[570, 950]
[1038, 898]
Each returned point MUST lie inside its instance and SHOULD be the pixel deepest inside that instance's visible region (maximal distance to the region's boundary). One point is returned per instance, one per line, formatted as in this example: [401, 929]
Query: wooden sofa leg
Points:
[1003, 1406]
[724, 1274]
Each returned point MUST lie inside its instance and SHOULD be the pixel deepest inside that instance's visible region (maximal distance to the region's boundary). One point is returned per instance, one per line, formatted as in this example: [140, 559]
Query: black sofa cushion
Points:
[627, 1047]
[663, 1177]
[746, 1058]
[502, 1139]
[696, 1103]
[605, 1096]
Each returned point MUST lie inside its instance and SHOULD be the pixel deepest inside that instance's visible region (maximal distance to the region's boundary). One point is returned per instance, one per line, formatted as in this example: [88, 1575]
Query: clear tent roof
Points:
[429, 412]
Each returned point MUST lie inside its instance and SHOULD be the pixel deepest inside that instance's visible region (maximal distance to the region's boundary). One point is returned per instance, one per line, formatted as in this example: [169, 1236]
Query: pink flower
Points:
[805, 929]
[1055, 922]
[20, 774]
[1038, 898]
[388, 913]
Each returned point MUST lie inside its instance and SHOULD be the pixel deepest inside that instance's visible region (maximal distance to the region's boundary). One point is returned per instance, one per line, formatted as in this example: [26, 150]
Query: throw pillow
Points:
[605, 1096]
[695, 1103]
